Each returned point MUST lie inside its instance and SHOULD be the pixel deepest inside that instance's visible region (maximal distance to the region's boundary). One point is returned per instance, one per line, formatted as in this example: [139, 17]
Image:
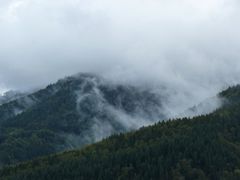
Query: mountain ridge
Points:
[71, 113]
[203, 147]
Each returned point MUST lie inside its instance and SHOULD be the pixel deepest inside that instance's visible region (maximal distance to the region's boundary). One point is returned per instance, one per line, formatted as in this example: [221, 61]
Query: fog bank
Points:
[191, 48]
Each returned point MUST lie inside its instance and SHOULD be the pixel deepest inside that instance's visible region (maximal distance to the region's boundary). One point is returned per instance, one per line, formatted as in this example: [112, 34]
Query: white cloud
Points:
[192, 46]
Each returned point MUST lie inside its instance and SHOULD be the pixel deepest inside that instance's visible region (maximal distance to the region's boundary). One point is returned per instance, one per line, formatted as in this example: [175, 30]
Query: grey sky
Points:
[191, 45]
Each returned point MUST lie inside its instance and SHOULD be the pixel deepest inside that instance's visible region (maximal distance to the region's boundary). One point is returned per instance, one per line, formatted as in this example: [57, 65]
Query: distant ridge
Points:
[203, 147]
[76, 111]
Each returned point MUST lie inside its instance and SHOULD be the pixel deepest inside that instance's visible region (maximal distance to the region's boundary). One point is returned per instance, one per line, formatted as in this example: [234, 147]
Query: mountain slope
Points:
[10, 96]
[204, 147]
[71, 113]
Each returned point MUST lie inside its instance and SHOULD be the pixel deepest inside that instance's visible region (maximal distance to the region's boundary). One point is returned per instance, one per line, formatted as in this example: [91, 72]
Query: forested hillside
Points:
[204, 147]
[71, 113]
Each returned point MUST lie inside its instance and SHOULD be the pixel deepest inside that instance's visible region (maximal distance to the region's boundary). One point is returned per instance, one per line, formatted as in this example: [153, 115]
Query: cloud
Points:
[188, 46]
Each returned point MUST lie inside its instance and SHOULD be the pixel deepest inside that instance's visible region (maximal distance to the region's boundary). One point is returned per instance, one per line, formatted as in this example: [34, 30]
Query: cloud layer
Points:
[188, 46]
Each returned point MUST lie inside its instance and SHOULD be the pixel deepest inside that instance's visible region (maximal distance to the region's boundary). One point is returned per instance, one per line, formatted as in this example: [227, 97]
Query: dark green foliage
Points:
[205, 147]
[20, 145]
[34, 132]
[231, 95]
[56, 112]
[130, 99]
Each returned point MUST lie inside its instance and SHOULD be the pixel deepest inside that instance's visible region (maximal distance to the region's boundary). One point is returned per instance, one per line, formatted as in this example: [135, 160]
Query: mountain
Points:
[205, 107]
[203, 147]
[72, 113]
[10, 96]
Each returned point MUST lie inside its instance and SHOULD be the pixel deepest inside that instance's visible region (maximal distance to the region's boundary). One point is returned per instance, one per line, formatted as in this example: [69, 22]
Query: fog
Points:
[191, 48]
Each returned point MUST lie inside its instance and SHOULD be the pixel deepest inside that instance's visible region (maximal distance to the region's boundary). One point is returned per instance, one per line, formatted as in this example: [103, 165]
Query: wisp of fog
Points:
[189, 47]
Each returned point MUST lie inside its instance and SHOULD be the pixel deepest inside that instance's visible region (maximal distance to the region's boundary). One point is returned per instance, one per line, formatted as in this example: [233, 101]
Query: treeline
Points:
[205, 147]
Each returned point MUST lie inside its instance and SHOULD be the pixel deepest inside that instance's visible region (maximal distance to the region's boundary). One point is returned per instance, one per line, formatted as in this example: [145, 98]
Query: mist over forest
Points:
[75, 72]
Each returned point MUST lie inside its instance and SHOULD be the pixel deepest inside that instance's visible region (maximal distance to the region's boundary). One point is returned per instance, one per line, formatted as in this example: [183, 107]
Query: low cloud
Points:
[192, 48]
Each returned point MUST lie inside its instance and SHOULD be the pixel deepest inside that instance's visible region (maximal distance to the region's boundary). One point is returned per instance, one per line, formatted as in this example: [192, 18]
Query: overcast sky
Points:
[187, 44]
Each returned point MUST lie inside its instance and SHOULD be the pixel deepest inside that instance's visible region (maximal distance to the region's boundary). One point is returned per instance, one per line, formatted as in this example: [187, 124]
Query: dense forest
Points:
[204, 147]
[71, 113]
